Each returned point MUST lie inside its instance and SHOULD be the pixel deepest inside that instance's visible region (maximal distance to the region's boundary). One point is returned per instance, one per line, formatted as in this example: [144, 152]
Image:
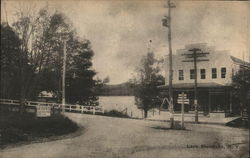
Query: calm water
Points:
[120, 103]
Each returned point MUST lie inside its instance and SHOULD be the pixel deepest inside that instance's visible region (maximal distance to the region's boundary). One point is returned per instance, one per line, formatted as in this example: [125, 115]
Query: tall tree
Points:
[79, 80]
[241, 84]
[25, 26]
[40, 56]
[146, 82]
[41, 37]
[55, 28]
[10, 50]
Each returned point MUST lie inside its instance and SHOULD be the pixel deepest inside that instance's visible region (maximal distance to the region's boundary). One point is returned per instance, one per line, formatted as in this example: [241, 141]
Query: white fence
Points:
[68, 107]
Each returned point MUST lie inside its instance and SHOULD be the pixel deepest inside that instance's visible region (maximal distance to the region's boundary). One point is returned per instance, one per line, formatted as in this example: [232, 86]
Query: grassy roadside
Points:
[111, 113]
[18, 128]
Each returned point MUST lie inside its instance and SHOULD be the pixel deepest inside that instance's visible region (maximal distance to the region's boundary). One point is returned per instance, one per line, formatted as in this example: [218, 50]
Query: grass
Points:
[16, 127]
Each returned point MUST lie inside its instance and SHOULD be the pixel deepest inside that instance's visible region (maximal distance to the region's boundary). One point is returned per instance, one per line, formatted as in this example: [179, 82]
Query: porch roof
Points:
[199, 85]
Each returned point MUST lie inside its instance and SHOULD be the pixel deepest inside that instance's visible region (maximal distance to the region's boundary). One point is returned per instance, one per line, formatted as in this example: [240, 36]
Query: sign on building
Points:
[43, 111]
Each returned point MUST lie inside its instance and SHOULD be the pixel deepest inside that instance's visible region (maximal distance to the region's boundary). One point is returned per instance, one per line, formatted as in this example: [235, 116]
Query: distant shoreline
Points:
[123, 89]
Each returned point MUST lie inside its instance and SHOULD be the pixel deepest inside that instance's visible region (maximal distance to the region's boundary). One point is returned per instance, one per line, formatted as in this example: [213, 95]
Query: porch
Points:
[213, 99]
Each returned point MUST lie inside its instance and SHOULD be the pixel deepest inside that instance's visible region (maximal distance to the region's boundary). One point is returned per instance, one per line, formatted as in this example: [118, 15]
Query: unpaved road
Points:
[107, 137]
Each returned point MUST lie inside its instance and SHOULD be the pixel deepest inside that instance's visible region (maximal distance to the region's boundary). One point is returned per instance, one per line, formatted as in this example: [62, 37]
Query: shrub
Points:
[115, 113]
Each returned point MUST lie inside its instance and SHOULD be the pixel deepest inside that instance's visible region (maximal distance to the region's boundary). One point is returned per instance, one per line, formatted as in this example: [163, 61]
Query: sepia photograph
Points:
[125, 79]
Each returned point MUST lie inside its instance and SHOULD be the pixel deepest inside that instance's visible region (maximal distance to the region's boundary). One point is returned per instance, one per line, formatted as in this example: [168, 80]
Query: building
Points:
[214, 79]
[46, 96]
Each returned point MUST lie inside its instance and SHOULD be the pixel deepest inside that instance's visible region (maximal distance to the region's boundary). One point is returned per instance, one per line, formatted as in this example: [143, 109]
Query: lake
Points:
[120, 103]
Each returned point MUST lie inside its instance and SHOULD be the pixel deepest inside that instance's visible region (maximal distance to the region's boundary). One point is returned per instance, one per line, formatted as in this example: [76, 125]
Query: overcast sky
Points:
[120, 30]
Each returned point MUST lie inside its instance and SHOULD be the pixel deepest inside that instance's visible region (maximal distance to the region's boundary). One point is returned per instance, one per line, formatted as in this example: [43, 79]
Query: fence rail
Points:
[68, 107]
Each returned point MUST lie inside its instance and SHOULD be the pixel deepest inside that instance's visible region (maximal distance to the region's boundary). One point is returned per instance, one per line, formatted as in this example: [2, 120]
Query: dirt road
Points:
[107, 137]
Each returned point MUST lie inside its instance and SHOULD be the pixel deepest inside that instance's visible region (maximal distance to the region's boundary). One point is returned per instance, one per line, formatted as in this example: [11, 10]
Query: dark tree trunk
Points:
[145, 113]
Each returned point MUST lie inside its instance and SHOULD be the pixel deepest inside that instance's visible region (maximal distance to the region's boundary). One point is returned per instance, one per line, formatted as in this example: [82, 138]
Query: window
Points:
[203, 74]
[192, 74]
[214, 73]
[223, 72]
[181, 75]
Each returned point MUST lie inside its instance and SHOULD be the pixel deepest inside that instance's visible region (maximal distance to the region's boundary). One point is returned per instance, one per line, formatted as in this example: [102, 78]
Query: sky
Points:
[120, 30]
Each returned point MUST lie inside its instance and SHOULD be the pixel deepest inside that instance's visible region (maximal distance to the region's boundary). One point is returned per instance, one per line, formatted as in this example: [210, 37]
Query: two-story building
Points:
[214, 79]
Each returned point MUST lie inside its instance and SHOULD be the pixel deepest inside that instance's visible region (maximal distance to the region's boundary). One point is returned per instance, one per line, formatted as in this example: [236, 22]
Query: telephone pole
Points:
[5, 10]
[63, 76]
[194, 55]
[167, 23]
[195, 83]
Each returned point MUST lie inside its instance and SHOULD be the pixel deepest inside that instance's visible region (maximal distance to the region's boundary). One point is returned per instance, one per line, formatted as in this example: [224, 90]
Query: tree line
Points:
[123, 89]
[31, 59]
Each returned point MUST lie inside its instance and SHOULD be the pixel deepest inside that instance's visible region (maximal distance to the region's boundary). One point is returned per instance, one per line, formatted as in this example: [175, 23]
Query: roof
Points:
[240, 62]
[199, 85]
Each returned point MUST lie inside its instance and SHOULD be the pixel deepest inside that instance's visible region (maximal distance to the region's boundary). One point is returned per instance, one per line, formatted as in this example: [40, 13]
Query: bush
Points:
[115, 113]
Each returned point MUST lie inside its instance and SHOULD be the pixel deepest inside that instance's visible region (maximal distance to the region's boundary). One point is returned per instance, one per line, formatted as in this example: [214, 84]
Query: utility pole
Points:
[167, 23]
[195, 55]
[63, 76]
[6, 16]
[170, 69]
[195, 83]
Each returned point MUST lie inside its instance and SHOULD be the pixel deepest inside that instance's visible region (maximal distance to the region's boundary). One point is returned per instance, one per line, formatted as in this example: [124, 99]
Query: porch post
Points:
[225, 101]
[209, 102]
[230, 104]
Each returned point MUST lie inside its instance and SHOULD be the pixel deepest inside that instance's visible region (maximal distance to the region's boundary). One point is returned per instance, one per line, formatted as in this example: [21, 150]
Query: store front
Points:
[213, 99]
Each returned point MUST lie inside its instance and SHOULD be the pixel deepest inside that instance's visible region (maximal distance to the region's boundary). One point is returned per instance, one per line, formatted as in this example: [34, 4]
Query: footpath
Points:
[190, 118]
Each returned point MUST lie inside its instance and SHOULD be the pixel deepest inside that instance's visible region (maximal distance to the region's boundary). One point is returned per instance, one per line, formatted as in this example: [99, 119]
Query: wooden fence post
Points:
[93, 110]
[81, 109]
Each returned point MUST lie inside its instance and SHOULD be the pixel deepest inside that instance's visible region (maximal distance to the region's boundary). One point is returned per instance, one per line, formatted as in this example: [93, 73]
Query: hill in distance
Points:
[123, 89]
